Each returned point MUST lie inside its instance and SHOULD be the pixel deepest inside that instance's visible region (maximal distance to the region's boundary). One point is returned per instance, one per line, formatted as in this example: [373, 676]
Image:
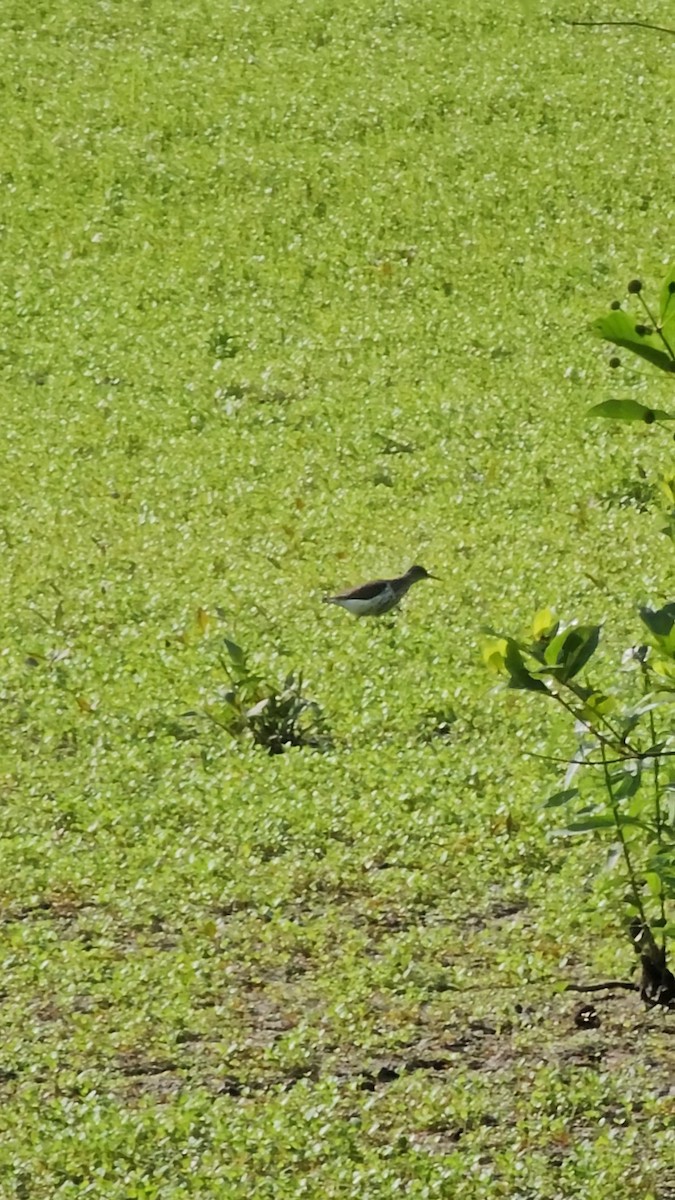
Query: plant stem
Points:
[657, 798]
[622, 838]
[619, 740]
[657, 327]
[604, 741]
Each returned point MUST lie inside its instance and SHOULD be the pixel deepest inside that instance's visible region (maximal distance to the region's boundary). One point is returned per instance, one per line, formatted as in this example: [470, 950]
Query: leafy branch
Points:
[627, 744]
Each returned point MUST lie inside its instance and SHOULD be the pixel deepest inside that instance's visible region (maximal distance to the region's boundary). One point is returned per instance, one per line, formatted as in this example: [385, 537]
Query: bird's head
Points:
[417, 572]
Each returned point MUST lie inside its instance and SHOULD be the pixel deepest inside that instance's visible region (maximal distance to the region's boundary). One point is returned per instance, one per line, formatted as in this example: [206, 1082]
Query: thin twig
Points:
[568, 762]
[639, 756]
[636, 24]
[607, 723]
[601, 987]
[601, 737]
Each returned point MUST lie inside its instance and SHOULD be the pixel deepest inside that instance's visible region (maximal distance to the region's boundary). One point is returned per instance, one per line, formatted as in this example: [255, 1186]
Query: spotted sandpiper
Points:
[379, 596]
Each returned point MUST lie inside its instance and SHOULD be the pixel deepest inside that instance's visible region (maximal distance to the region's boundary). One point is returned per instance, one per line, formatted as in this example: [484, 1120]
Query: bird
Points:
[380, 595]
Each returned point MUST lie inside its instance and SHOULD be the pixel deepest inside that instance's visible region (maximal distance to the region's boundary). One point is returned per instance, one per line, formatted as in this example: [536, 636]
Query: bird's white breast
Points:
[372, 606]
[359, 608]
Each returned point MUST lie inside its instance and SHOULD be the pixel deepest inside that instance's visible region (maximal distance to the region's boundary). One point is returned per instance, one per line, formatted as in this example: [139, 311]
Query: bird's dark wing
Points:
[367, 591]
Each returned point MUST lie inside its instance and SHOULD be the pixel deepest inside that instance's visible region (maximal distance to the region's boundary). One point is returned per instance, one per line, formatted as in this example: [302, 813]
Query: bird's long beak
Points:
[430, 576]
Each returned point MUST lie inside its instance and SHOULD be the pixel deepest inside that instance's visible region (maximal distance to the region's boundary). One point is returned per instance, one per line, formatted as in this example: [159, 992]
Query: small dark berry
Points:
[642, 330]
[650, 417]
[634, 287]
[671, 287]
[616, 304]
[614, 363]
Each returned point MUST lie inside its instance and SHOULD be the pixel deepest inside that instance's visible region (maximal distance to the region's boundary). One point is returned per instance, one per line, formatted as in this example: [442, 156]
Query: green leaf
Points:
[663, 866]
[544, 627]
[653, 883]
[570, 650]
[597, 704]
[544, 624]
[620, 329]
[629, 410]
[661, 623]
[520, 677]
[593, 821]
[602, 821]
[561, 798]
[235, 652]
[628, 785]
[493, 652]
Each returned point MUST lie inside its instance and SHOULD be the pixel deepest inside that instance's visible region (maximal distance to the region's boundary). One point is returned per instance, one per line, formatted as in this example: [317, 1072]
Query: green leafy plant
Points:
[276, 718]
[617, 784]
[652, 340]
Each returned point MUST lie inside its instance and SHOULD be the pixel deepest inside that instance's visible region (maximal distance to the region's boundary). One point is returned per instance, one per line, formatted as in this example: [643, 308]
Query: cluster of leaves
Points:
[653, 341]
[275, 718]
